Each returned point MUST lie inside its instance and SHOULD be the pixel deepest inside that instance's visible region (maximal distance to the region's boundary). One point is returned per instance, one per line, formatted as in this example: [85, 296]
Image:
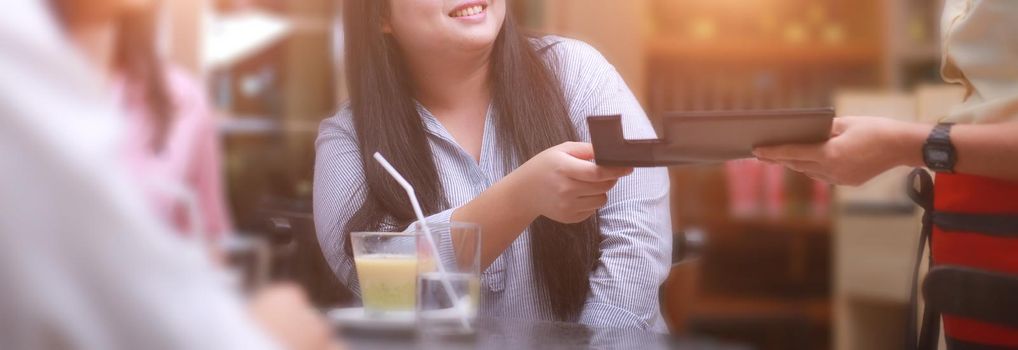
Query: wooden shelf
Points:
[724, 224]
[787, 224]
[264, 125]
[711, 308]
[763, 51]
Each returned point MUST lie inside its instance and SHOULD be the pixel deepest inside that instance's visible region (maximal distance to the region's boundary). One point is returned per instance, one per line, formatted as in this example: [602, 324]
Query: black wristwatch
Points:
[938, 151]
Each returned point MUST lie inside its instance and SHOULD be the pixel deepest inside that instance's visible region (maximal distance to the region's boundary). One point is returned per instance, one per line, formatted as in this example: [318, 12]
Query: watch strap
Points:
[941, 134]
[939, 140]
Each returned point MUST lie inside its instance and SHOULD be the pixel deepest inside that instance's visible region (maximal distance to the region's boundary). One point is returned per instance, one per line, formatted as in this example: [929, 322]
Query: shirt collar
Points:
[434, 127]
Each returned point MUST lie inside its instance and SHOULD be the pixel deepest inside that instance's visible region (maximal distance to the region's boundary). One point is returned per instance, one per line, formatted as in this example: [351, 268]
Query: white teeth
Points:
[470, 11]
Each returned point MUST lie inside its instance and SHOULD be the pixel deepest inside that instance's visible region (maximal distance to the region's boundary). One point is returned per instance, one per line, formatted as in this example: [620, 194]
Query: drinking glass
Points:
[448, 298]
[387, 271]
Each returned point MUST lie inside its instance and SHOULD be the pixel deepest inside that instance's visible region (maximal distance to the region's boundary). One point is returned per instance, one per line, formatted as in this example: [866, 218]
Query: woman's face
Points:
[439, 25]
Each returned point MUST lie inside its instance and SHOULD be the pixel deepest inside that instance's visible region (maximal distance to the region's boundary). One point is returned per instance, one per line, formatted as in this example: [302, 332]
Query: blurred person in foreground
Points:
[171, 144]
[972, 220]
[83, 263]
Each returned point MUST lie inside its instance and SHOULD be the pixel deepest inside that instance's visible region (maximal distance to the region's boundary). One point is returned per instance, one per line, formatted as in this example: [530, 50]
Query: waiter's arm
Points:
[987, 149]
[863, 147]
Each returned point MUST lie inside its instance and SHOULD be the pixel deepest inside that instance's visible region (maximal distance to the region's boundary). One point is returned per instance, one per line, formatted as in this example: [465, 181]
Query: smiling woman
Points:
[485, 122]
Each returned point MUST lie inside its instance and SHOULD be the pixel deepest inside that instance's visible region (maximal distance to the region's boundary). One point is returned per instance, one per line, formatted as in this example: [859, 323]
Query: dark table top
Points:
[528, 334]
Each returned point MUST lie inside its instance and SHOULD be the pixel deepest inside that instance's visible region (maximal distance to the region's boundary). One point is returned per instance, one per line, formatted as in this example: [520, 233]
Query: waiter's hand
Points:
[860, 148]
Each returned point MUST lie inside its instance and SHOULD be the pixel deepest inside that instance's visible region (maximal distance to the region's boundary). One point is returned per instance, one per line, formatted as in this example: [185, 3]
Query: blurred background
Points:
[763, 256]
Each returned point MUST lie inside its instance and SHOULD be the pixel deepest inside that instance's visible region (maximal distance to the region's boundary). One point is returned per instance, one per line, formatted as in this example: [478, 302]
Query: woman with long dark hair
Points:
[172, 144]
[488, 125]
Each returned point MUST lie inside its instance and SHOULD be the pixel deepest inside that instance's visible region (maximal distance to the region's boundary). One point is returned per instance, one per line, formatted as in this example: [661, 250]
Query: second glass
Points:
[441, 310]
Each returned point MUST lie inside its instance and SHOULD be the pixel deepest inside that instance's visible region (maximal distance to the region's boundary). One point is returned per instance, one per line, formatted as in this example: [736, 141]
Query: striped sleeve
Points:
[635, 223]
[338, 192]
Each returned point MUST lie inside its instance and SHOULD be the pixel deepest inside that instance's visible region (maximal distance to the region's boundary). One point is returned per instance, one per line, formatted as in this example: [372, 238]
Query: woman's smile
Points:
[470, 12]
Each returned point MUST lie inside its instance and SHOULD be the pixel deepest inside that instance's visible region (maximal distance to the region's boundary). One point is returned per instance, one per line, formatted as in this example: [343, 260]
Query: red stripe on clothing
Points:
[991, 253]
[975, 195]
[974, 331]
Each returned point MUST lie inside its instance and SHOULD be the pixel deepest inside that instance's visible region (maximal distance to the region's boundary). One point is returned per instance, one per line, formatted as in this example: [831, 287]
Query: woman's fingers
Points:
[578, 187]
[579, 150]
[588, 203]
[585, 207]
[574, 162]
[595, 188]
[589, 172]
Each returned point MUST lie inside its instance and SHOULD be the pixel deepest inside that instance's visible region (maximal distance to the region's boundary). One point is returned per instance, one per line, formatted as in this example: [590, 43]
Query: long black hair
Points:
[530, 115]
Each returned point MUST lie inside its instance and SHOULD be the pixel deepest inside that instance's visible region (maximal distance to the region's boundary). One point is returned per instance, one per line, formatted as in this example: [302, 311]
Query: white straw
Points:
[442, 276]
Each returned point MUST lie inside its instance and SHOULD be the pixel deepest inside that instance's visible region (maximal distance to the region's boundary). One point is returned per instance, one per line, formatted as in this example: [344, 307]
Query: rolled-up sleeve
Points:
[636, 223]
[635, 250]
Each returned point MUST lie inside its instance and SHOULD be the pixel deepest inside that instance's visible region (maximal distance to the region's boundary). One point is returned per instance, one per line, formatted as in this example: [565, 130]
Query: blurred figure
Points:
[973, 215]
[978, 139]
[83, 264]
[171, 143]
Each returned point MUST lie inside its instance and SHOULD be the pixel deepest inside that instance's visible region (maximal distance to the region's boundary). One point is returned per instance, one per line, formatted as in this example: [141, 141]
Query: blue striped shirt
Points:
[635, 223]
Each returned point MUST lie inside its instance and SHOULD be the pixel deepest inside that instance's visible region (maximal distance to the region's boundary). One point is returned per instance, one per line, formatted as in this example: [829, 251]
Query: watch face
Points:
[938, 153]
[939, 156]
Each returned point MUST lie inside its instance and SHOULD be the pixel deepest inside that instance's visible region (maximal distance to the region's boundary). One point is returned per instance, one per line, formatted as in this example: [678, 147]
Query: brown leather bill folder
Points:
[707, 137]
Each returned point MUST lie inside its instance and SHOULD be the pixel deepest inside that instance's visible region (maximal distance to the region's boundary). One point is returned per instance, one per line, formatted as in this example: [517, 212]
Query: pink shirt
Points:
[182, 181]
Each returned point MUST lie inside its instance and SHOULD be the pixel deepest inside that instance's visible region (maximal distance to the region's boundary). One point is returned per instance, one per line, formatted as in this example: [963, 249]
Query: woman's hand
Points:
[563, 185]
[285, 313]
[860, 148]
[560, 183]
